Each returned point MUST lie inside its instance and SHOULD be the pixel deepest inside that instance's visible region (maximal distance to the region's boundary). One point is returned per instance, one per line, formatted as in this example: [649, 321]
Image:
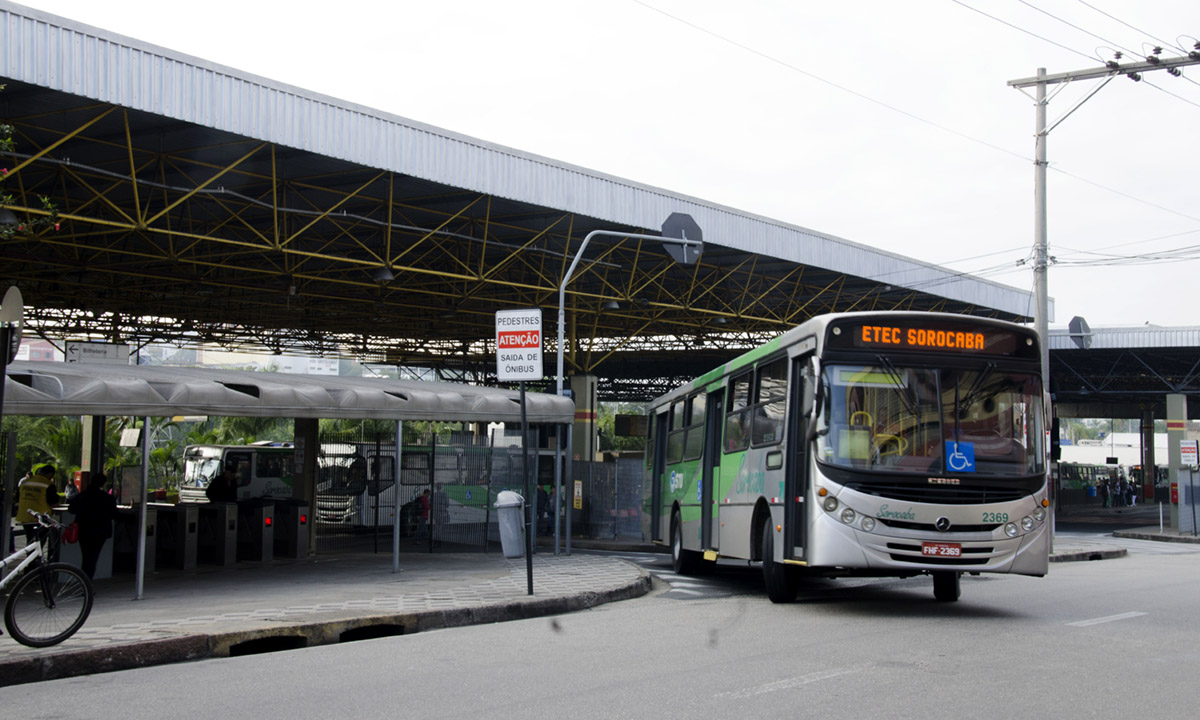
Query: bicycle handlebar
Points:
[45, 520]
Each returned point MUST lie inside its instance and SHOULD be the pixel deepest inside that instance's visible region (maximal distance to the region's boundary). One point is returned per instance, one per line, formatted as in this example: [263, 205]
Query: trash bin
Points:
[509, 507]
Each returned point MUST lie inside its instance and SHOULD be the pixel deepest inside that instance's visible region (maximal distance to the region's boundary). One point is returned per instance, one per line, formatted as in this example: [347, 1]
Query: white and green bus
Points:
[858, 444]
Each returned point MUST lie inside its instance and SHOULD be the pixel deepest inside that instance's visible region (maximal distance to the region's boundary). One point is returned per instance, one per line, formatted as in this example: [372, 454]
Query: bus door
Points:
[711, 459]
[796, 476]
[658, 428]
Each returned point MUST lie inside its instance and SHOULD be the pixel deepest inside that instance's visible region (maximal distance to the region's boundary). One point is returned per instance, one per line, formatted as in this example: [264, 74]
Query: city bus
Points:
[264, 469]
[858, 444]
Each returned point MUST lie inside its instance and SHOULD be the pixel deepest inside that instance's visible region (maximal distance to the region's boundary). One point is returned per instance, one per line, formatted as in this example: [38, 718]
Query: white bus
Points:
[264, 469]
[878, 444]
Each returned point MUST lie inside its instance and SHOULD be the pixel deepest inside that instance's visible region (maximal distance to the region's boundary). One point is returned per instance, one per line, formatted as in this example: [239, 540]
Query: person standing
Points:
[223, 488]
[94, 510]
[36, 493]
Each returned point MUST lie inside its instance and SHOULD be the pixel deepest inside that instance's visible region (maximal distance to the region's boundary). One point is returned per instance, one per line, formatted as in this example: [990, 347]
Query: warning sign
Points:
[1188, 456]
[519, 344]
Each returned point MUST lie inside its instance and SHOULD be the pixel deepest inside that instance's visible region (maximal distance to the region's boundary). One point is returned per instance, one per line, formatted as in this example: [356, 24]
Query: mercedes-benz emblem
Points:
[942, 524]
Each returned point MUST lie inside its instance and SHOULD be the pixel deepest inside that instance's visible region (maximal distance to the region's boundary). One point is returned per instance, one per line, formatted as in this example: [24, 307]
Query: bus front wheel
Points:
[946, 585]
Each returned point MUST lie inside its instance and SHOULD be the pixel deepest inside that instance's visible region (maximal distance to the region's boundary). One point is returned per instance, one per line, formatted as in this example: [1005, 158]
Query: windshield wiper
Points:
[903, 390]
[975, 392]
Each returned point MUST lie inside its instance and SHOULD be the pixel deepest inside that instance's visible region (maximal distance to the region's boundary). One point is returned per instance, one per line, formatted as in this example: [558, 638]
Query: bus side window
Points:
[242, 461]
[694, 444]
[737, 417]
[770, 394]
[676, 436]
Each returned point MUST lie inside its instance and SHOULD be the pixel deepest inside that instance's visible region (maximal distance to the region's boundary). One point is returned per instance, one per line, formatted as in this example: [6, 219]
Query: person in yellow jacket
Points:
[38, 493]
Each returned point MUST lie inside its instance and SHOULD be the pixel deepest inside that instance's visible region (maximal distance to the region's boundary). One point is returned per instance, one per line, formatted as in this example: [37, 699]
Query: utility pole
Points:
[1041, 254]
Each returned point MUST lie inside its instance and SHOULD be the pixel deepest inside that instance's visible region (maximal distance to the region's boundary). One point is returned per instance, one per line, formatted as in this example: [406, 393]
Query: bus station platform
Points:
[255, 607]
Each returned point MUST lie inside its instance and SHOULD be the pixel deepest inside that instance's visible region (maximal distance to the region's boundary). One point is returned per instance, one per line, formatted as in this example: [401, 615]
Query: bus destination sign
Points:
[933, 336]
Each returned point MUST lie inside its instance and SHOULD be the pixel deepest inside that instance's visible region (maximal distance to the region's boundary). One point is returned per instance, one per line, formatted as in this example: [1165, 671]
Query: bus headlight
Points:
[1027, 523]
[868, 523]
[1039, 514]
[1010, 529]
[848, 516]
[830, 503]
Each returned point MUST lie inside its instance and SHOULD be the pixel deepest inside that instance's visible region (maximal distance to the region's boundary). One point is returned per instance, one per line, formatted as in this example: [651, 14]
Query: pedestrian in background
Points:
[94, 510]
[36, 493]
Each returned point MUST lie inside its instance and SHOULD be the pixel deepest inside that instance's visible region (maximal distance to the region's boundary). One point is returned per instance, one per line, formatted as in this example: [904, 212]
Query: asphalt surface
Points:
[287, 604]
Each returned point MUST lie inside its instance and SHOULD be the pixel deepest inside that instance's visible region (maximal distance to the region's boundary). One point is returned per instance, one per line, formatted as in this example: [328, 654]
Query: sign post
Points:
[519, 358]
[12, 316]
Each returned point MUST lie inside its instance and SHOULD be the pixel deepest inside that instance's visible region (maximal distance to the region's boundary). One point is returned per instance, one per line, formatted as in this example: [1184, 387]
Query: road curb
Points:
[200, 646]
[1098, 553]
[1157, 537]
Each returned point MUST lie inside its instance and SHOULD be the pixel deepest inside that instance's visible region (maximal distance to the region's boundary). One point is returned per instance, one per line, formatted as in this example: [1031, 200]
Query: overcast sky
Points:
[886, 123]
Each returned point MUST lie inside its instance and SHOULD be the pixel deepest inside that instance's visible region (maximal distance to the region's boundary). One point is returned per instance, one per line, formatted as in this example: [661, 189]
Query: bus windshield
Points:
[885, 418]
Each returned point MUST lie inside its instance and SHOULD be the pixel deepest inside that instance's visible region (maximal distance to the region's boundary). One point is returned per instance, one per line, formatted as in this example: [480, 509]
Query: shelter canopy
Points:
[41, 388]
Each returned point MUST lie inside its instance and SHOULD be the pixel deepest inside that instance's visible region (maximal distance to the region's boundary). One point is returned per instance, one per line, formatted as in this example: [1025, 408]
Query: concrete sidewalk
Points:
[286, 604]
[257, 607]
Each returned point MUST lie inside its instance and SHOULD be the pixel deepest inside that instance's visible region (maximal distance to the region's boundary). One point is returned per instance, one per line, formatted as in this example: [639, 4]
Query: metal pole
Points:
[562, 290]
[6, 331]
[396, 488]
[143, 510]
[570, 478]
[1192, 497]
[1040, 259]
[10, 476]
[432, 475]
[528, 505]
[556, 508]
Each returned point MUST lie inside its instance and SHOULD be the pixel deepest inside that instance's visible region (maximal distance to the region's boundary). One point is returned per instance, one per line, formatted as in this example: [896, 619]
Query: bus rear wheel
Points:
[946, 585]
[782, 581]
[684, 562]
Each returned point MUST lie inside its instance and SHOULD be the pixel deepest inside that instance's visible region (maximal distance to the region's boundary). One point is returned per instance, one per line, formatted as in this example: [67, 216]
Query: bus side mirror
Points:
[810, 399]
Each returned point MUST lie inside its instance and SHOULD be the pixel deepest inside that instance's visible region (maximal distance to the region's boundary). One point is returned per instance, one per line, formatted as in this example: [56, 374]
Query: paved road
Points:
[1093, 639]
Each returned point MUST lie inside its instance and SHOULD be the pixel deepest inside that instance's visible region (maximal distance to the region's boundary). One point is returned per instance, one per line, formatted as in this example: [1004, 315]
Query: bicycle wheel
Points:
[48, 605]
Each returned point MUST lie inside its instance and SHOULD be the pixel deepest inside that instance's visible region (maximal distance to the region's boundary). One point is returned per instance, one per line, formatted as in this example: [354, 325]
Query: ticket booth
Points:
[178, 527]
[125, 539]
[217, 533]
[291, 528]
[256, 529]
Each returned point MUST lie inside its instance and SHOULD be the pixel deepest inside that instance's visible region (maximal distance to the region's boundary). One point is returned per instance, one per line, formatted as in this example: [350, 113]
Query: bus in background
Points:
[858, 444]
[264, 469]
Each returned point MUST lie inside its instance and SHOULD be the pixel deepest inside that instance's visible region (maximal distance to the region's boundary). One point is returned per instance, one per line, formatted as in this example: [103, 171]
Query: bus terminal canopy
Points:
[42, 388]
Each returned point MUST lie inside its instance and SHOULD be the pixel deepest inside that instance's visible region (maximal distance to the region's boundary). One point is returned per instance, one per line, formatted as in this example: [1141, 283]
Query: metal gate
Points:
[441, 498]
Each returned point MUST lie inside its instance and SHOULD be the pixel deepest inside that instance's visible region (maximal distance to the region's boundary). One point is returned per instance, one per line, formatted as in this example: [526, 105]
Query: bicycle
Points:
[49, 601]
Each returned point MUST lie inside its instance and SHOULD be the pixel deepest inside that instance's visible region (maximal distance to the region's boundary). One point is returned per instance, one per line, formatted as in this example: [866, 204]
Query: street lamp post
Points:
[677, 223]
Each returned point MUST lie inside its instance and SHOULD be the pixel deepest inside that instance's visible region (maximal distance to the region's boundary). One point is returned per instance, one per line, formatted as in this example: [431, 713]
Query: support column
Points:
[584, 433]
[92, 456]
[1176, 434]
[1149, 472]
[304, 476]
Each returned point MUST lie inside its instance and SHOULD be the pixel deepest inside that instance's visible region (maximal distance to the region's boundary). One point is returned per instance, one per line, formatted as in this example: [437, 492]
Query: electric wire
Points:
[1070, 24]
[880, 103]
[830, 83]
[1021, 29]
[1168, 92]
[1131, 27]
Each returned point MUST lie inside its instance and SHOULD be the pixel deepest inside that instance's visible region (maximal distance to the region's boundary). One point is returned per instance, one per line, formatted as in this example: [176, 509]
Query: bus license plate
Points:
[937, 549]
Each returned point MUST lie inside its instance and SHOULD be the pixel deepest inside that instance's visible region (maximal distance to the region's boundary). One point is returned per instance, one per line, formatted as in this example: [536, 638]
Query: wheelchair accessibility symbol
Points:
[960, 456]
